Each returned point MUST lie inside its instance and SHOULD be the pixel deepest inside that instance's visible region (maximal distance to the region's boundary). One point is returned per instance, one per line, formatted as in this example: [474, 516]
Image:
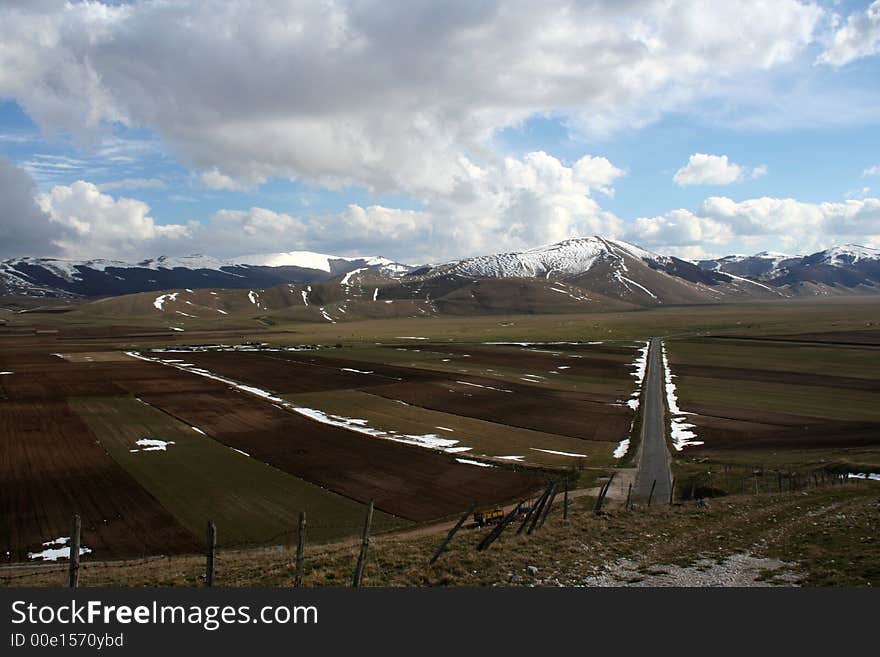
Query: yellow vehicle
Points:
[488, 517]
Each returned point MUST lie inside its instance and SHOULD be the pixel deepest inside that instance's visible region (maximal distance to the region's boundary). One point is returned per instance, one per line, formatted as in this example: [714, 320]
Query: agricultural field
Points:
[789, 400]
[148, 437]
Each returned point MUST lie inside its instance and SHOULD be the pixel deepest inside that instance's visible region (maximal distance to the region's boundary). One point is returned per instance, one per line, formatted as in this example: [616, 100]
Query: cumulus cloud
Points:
[515, 203]
[97, 225]
[25, 229]
[871, 171]
[704, 169]
[798, 225]
[371, 93]
[857, 37]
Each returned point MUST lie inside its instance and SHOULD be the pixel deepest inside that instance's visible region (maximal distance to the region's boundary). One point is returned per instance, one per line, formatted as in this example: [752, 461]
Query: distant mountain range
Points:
[575, 275]
[93, 278]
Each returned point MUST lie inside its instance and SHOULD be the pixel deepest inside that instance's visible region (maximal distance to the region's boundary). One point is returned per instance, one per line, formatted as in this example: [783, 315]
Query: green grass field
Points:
[485, 438]
[198, 479]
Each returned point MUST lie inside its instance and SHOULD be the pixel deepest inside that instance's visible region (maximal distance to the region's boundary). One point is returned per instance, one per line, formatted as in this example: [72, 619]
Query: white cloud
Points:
[704, 169]
[871, 171]
[132, 183]
[515, 203]
[97, 225]
[385, 95]
[24, 228]
[858, 37]
[798, 226]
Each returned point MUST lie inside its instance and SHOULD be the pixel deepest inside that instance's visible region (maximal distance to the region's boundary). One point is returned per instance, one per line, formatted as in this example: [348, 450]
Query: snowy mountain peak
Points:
[848, 254]
[569, 257]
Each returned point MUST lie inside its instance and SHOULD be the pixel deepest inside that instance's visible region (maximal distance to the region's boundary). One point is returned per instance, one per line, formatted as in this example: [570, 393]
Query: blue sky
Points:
[313, 129]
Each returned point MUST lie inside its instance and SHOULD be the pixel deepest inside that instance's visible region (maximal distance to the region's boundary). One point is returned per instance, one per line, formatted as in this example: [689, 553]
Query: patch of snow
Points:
[510, 458]
[682, 436]
[305, 296]
[622, 449]
[872, 476]
[349, 369]
[152, 445]
[348, 276]
[409, 337]
[159, 302]
[477, 463]
[375, 294]
[55, 553]
[197, 430]
[445, 429]
[553, 451]
[6, 373]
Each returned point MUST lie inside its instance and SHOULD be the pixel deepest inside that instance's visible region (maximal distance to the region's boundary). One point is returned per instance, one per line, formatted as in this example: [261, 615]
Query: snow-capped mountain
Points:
[60, 278]
[575, 271]
[849, 268]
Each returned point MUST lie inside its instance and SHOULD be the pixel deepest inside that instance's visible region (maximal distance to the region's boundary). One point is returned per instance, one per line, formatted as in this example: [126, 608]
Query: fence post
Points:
[73, 566]
[565, 503]
[212, 548]
[651, 494]
[547, 508]
[496, 531]
[365, 543]
[535, 512]
[601, 500]
[629, 490]
[300, 548]
[452, 533]
[671, 491]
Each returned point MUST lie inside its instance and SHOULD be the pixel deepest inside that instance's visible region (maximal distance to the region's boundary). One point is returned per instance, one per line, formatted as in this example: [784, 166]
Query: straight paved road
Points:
[653, 451]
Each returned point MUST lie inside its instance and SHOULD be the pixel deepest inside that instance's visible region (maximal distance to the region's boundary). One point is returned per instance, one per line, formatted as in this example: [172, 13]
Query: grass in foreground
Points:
[826, 536]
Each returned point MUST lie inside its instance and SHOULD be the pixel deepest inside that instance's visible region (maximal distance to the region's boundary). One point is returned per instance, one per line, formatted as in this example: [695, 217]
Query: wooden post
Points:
[365, 543]
[496, 531]
[547, 508]
[300, 548]
[671, 491]
[565, 503]
[452, 533]
[651, 494]
[629, 490]
[212, 548]
[602, 493]
[73, 566]
[535, 512]
[756, 484]
[693, 488]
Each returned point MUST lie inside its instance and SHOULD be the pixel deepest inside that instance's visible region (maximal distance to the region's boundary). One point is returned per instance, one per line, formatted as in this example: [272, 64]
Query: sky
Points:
[427, 131]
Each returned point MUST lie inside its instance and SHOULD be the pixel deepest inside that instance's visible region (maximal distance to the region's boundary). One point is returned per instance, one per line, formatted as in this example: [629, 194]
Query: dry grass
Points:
[827, 535]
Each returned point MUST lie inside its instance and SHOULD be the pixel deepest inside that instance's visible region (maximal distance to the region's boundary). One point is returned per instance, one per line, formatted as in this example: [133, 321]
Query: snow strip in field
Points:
[326, 316]
[510, 458]
[6, 373]
[445, 429]
[159, 302]
[477, 385]
[55, 553]
[240, 452]
[176, 328]
[477, 463]
[197, 430]
[640, 364]
[152, 445]
[429, 440]
[552, 451]
[409, 337]
[375, 294]
[349, 369]
[682, 436]
[873, 476]
[622, 449]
